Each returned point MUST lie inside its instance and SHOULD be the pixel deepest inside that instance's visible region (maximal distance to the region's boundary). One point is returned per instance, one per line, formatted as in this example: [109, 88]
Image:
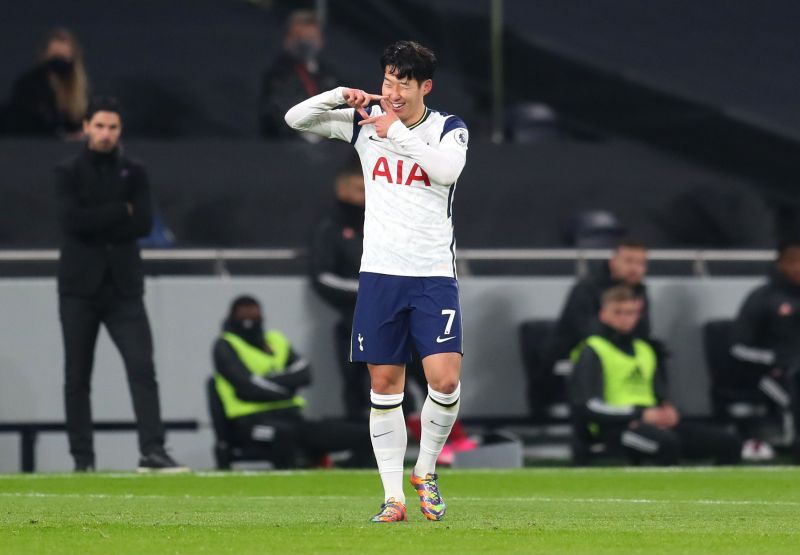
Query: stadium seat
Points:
[547, 389]
[594, 229]
[227, 449]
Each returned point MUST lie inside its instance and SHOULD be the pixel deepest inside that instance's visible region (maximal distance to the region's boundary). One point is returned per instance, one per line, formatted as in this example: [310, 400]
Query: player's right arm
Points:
[319, 115]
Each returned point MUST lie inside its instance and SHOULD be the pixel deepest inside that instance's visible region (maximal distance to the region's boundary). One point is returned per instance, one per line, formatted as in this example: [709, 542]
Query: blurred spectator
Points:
[51, 98]
[257, 378]
[766, 338]
[104, 207]
[296, 74]
[335, 260]
[618, 393]
[627, 265]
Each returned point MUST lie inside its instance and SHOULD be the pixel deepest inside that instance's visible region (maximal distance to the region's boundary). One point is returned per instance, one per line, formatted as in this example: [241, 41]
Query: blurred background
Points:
[676, 122]
[678, 118]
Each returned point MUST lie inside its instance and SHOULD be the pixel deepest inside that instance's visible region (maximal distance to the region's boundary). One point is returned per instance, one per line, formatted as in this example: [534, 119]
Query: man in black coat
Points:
[766, 337]
[104, 206]
[334, 262]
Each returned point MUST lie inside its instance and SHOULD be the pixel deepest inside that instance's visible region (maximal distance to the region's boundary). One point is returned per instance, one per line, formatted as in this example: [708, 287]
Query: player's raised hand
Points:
[383, 121]
[358, 99]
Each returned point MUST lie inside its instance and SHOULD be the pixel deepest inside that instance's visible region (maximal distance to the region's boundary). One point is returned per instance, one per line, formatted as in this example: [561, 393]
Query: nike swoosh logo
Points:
[383, 434]
[372, 138]
[441, 426]
[440, 339]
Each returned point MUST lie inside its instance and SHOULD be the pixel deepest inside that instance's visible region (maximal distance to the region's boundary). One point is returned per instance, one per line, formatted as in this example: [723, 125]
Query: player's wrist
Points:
[395, 128]
[338, 94]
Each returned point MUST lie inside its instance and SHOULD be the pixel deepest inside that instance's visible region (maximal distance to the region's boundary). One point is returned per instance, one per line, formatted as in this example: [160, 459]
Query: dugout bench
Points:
[29, 431]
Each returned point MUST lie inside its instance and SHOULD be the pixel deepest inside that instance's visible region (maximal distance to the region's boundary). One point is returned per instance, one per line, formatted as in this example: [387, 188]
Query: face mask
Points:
[249, 329]
[59, 65]
[303, 50]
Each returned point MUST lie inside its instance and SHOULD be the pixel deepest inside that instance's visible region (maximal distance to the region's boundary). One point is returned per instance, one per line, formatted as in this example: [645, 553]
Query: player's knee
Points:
[386, 385]
[444, 384]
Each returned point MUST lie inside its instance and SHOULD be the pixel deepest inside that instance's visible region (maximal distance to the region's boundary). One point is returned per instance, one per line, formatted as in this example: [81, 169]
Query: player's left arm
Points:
[443, 162]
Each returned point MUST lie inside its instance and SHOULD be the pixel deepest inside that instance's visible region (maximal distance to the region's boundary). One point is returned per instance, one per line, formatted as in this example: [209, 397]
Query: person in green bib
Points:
[257, 377]
[619, 393]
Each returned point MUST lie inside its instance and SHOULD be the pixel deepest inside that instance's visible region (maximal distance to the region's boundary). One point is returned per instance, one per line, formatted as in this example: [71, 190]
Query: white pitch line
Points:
[462, 471]
[532, 499]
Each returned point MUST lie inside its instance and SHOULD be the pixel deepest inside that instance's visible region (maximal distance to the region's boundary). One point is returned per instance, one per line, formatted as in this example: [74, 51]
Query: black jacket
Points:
[767, 329]
[586, 389]
[99, 235]
[578, 318]
[278, 386]
[33, 109]
[285, 84]
[335, 257]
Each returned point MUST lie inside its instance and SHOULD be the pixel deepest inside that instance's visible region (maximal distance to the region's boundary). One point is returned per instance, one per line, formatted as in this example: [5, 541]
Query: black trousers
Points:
[295, 440]
[126, 321]
[688, 440]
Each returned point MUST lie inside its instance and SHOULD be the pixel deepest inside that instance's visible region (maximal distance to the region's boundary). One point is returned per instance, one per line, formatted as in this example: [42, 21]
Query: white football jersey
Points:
[410, 178]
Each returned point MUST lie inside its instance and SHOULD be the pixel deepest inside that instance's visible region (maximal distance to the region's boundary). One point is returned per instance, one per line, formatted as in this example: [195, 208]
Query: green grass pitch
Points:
[549, 510]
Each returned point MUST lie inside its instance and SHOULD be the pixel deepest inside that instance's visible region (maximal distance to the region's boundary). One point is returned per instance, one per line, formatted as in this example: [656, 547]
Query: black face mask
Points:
[59, 65]
[303, 50]
[251, 330]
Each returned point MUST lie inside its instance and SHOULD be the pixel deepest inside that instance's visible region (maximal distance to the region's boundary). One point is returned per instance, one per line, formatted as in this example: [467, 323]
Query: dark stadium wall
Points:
[231, 193]
[189, 70]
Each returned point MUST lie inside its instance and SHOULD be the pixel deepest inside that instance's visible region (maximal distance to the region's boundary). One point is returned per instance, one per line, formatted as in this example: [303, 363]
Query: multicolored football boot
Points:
[430, 501]
[391, 511]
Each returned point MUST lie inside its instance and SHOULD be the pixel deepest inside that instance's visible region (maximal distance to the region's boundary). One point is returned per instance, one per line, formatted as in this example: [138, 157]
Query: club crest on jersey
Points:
[461, 136]
[383, 169]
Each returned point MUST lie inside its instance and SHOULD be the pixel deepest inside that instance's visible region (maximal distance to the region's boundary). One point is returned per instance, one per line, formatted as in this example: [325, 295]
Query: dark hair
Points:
[619, 294]
[103, 104]
[239, 302]
[409, 60]
[629, 243]
[301, 17]
[788, 243]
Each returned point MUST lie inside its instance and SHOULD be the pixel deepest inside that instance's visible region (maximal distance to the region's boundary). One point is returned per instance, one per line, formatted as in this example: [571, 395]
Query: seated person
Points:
[766, 337]
[257, 378]
[628, 266]
[618, 393]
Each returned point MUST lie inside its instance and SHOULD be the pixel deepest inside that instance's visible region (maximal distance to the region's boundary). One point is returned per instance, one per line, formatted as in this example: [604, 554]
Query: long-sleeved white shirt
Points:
[410, 178]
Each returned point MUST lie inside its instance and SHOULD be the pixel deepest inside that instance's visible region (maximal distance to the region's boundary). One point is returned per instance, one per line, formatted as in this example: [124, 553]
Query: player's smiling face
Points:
[406, 96]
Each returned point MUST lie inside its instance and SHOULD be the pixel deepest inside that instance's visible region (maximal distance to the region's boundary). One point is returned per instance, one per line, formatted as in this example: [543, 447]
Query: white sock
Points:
[438, 415]
[387, 428]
